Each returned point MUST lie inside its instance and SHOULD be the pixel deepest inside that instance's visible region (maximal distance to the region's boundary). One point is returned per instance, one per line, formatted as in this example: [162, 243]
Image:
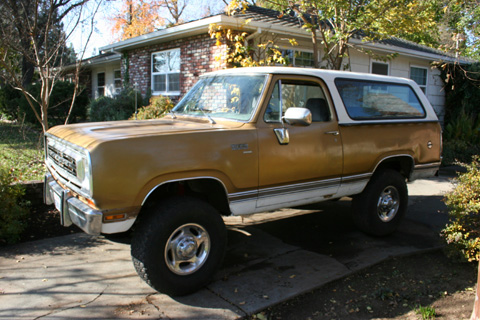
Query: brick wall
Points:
[197, 56]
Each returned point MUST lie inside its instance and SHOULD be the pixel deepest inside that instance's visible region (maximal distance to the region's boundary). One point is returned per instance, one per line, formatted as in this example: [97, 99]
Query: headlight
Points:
[83, 172]
[81, 169]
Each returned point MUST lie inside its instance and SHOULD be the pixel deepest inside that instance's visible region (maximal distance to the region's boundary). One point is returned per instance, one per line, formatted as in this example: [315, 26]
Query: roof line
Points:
[273, 23]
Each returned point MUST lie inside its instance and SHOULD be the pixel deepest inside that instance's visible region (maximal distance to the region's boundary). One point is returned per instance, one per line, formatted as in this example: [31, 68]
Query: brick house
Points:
[168, 61]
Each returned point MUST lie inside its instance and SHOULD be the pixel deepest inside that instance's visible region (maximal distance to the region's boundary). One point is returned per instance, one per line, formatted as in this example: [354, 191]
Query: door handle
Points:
[334, 133]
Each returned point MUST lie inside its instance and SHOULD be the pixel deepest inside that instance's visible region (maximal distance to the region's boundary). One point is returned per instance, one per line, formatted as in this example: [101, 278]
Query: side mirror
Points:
[298, 117]
[294, 117]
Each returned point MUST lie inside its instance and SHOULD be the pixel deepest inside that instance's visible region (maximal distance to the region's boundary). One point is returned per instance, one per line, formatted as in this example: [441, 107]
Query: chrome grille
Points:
[62, 160]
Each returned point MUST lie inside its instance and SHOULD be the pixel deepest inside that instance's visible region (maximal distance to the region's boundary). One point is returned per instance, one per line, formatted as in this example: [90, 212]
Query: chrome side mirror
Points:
[298, 117]
[294, 117]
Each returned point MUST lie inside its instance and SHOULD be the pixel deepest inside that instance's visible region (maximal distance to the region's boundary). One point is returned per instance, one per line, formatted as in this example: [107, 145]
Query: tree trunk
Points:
[27, 72]
[476, 305]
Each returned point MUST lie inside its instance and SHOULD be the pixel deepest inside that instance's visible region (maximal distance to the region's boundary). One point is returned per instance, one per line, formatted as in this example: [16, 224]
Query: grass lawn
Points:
[21, 149]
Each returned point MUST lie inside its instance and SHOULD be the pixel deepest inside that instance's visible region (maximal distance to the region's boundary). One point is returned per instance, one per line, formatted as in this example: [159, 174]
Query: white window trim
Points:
[372, 61]
[426, 78]
[152, 73]
[298, 50]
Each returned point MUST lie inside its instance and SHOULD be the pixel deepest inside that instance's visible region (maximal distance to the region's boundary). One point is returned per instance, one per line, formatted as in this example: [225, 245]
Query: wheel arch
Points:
[403, 163]
[209, 189]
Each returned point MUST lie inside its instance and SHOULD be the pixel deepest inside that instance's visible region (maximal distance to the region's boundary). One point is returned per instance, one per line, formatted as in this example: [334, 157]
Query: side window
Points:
[419, 75]
[380, 68]
[301, 94]
[370, 100]
[100, 84]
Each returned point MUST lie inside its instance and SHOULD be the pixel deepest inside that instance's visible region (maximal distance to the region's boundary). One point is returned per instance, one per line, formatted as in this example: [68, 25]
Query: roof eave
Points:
[408, 52]
[180, 31]
[202, 26]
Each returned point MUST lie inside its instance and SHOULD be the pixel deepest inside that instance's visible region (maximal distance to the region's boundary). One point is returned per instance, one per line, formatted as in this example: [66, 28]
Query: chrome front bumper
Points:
[72, 210]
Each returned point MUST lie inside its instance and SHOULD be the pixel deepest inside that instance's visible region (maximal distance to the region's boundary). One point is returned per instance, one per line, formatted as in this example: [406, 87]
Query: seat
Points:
[319, 109]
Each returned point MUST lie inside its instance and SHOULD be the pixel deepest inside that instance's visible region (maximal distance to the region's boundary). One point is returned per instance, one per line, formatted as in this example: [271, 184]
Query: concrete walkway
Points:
[84, 277]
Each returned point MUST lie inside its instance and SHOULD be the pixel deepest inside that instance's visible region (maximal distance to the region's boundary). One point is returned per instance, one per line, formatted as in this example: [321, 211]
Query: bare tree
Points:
[176, 8]
[32, 36]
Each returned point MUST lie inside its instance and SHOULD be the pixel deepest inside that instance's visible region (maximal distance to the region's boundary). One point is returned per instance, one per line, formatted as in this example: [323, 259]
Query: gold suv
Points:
[242, 142]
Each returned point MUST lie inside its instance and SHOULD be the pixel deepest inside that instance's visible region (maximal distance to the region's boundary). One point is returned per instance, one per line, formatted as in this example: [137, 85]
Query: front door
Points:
[309, 167]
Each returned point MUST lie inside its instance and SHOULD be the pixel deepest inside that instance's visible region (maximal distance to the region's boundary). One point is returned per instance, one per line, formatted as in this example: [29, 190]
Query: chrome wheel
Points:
[187, 249]
[388, 204]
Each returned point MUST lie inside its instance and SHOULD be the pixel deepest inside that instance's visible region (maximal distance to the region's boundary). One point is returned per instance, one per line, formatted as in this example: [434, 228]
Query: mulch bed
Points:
[44, 222]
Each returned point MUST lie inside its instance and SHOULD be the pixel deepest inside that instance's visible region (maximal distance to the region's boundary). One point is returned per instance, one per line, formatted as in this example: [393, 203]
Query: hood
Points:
[88, 135]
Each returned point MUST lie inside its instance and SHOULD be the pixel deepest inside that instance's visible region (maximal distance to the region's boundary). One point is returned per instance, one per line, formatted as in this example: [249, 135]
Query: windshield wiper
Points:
[173, 115]
[207, 115]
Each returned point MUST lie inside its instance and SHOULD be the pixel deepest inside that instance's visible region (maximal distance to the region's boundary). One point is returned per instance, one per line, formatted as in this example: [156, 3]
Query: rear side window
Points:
[370, 100]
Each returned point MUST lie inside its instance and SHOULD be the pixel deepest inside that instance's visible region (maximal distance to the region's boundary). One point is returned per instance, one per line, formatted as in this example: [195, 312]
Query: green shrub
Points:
[9, 108]
[458, 151]
[15, 107]
[462, 91]
[462, 233]
[13, 212]
[158, 107]
[462, 116]
[120, 107]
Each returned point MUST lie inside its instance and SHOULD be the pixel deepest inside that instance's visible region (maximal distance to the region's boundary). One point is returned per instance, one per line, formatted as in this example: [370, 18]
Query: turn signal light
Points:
[115, 217]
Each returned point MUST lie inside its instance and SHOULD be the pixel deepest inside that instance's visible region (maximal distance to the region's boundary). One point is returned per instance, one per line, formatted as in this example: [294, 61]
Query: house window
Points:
[419, 75]
[380, 68]
[117, 81]
[299, 58]
[166, 72]
[100, 84]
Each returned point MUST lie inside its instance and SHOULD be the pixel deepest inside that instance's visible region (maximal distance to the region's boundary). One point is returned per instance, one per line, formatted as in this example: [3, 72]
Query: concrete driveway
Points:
[84, 277]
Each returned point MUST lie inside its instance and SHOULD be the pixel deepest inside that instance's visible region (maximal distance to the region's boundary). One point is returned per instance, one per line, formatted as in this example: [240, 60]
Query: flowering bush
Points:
[462, 233]
[158, 107]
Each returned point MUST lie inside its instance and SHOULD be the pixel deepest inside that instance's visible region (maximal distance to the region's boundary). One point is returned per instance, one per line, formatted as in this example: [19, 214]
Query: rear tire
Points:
[380, 208]
[179, 245]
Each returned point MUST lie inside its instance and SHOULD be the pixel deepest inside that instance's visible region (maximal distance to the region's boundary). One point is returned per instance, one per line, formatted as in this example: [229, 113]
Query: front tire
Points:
[379, 209]
[179, 245]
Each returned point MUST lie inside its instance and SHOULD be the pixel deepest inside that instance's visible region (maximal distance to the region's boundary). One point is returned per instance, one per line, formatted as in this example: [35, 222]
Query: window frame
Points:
[379, 83]
[380, 62]
[285, 54]
[280, 82]
[167, 92]
[115, 89]
[104, 86]
[422, 87]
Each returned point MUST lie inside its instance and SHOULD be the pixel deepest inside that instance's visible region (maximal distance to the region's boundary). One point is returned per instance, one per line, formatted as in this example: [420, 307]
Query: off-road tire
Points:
[155, 231]
[370, 208]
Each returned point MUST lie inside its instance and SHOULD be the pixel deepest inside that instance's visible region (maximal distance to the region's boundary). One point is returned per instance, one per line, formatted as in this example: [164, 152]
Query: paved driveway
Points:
[84, 277]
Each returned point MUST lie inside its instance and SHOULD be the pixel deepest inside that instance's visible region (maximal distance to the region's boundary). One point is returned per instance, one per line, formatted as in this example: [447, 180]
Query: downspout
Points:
[253, 35]
[125, 61]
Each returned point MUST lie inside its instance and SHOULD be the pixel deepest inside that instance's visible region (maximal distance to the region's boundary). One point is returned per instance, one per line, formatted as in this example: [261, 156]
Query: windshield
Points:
[226, 96]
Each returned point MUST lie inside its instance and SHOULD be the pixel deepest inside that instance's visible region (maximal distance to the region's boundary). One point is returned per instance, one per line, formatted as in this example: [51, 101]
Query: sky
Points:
[102, 34]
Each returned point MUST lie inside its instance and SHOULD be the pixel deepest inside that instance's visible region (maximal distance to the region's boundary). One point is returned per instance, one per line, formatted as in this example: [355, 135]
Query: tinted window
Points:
[366, 100]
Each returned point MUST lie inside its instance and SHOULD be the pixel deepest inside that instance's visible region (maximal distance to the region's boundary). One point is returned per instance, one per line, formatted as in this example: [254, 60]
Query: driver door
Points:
[308, 168]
